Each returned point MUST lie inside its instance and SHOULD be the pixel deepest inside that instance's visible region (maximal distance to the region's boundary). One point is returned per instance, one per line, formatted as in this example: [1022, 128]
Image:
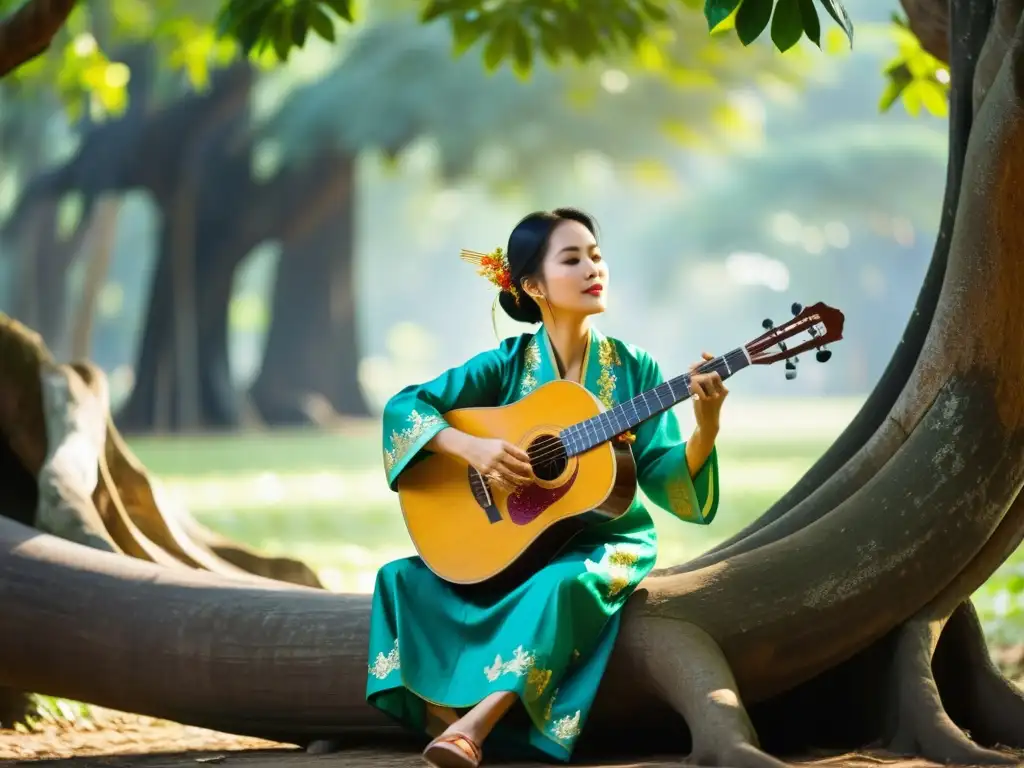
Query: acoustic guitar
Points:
[468, 532]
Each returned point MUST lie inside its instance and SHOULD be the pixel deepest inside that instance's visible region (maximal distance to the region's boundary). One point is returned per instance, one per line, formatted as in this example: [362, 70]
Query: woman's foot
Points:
[459, 745]
[453, 750]
[439, 719]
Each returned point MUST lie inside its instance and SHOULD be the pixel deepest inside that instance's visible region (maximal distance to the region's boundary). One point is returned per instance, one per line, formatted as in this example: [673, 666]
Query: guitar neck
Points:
[587, 434]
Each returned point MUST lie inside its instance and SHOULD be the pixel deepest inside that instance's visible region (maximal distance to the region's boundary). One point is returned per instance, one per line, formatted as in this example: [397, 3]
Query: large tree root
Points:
[977, 695]
[684, 667]
[91, 489]
[920, 724]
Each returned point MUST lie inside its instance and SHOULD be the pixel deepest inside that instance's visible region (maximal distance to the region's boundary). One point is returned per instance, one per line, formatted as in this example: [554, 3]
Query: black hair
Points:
[526, 248]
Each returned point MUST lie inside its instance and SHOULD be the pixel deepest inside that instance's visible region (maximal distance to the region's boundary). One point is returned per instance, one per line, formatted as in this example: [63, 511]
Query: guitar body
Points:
[468, 532]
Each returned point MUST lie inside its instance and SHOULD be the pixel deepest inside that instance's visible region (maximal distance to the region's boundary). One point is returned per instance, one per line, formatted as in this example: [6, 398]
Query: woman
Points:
[453, 664]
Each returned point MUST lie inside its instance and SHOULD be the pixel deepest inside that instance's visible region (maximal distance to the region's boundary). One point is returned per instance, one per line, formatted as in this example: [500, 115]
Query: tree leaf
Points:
[812, 26]
[498, 46]
[931, 95]
[654, 11]
[717, 11]
[549, 44]
[321, 23]
[341, 7]
[280, 31]
[465, 32]
[787, 24]
[522, 50]
[892, 92]
[434, 9]
[300, 28]
[838, 13]
[751, 19]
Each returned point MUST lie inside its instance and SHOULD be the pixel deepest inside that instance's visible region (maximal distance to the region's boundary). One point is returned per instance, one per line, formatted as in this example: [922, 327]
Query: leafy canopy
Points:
[195, 35]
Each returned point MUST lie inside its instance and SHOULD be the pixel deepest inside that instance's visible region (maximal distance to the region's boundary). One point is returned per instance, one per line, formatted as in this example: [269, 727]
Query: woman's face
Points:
[575, 276]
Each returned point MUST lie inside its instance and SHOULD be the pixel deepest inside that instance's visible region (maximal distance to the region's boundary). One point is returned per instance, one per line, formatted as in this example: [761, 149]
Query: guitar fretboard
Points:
[625, 416]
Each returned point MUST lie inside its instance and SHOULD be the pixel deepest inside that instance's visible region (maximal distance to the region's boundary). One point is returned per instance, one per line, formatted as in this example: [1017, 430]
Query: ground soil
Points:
[109, 739]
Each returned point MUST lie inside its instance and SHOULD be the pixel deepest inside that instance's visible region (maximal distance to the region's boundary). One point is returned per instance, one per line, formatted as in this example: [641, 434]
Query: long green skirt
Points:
[548, 640]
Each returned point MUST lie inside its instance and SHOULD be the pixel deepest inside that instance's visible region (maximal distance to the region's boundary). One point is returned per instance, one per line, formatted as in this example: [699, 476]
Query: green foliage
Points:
[914, 76]
[194, 36]
[790, 19]
[78, 67]
[628, 113]
[280, 25]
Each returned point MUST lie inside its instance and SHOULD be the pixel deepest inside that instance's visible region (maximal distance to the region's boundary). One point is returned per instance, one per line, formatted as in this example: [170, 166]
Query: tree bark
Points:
[29, 31]
[310, 367]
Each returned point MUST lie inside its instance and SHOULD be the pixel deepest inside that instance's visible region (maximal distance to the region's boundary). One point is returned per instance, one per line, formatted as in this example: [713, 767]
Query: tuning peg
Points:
[790, 365]
[767, 323]
[822, 355]
[796, 308]
[790, 375]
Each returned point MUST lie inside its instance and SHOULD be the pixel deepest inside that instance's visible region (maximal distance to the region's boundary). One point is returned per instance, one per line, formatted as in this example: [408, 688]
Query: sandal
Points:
[453, 750]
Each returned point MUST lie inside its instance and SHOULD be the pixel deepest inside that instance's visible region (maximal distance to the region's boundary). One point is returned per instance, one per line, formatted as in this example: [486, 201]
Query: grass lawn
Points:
[321, 496]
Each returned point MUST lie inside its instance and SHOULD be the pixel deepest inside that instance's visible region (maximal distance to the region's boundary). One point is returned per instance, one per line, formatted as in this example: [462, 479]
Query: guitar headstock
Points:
[812, 327]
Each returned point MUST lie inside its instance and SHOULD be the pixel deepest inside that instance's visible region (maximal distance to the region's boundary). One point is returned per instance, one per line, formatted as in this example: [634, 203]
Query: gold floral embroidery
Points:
[402, 442]
[616, 567]
[384, 665]
[677, 492]
[531, 365]
[566, 728]
[521, 662]
[608, 357]
[709, 502]
[551, 703]
[536, 682]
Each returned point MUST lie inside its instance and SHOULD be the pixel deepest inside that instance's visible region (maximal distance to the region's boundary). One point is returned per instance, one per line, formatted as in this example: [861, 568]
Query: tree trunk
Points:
[100, 240]
[310, 367]
[872, 437]
[175, 387]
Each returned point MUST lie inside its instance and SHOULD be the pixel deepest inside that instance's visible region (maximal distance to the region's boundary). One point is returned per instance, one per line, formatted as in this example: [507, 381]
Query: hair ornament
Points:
[493, 266]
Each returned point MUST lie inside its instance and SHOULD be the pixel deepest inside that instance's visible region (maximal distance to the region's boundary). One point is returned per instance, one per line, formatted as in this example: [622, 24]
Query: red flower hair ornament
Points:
[493, 266]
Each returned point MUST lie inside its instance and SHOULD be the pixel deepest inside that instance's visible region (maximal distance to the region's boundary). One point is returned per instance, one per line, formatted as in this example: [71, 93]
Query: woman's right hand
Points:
[504, 464]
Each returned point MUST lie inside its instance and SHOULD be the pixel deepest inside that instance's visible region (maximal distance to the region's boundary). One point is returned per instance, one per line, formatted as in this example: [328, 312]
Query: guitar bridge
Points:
[482, 495]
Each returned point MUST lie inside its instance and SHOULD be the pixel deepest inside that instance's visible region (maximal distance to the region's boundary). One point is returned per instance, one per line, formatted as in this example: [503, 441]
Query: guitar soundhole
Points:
[547, 457]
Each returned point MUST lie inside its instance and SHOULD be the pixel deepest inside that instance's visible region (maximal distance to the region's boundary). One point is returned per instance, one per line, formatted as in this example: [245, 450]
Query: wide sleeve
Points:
[413, 416]
[660, 454]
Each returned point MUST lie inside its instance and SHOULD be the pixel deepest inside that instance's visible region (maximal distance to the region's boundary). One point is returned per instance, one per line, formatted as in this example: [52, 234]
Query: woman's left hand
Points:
[708, 393]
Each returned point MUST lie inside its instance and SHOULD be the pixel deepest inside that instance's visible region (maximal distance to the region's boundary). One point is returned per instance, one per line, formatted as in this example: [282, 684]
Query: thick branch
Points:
[172, 643]
[929, 21]
[29, 31]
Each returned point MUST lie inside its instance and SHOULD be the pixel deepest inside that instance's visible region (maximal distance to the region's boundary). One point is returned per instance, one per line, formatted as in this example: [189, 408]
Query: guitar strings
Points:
[552, 455]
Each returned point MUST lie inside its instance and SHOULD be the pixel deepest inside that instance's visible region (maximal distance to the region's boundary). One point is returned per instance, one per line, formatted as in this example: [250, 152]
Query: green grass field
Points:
[321, 496]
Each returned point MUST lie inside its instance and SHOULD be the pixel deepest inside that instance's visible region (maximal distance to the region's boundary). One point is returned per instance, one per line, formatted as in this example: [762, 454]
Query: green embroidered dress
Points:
[550, 638]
